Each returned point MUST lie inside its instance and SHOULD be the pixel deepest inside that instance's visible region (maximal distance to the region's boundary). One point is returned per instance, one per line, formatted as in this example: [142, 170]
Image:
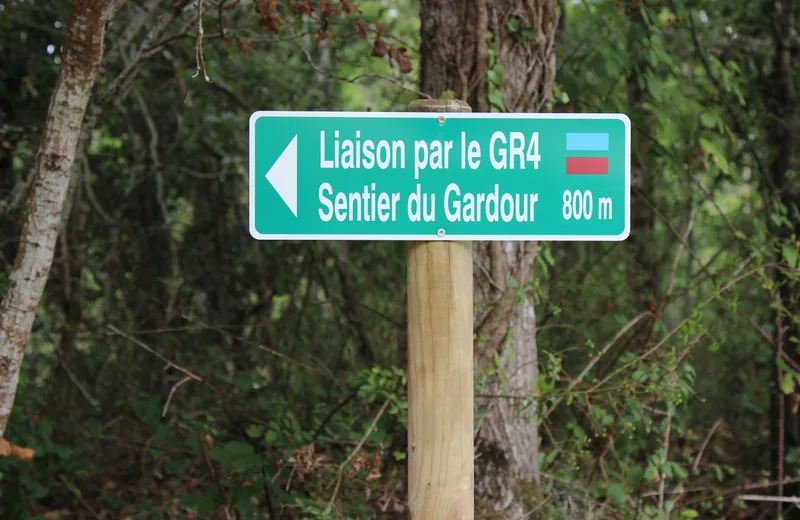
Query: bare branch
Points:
[201, 62]
[17, 196]
[156, 354]
[343, 465]
[621, 332]
[171, 392]
[358, 77]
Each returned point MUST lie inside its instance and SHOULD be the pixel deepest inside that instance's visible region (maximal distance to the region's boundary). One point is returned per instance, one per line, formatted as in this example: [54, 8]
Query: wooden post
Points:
[441, 465]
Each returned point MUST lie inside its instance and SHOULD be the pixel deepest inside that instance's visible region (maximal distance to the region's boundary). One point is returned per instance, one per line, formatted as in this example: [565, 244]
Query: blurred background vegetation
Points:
[180, 369]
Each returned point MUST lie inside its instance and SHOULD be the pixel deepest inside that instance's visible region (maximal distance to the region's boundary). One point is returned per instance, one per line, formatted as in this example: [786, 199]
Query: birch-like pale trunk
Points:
[83, 51]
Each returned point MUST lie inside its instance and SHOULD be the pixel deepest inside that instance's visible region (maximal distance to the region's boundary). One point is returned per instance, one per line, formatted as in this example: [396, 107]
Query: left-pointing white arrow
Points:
[283, 176]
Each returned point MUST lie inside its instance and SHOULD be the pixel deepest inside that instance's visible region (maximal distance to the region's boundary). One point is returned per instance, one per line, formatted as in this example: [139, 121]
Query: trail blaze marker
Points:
[439, 176]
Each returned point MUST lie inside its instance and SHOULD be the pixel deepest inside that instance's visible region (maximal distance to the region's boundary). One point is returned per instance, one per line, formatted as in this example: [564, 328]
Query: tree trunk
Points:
[83, 51]
[643, 274]
[785, 134]
[455, 58]
[507, 470]
[643, 271]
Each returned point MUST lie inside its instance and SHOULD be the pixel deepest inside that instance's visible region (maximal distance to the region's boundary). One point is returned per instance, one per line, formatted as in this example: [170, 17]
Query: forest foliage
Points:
[178, 368]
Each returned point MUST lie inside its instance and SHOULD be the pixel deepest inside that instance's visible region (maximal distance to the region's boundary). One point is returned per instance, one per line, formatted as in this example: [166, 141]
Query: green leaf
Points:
[634, 475]
[242, 456]
[790, 254]
[709, 119]
[787, 385]
[495, 75]
[717, 153]
[616, 493]
[679, 471]
[204, 503]
[689, 513]
[496, 98]
[448, 94]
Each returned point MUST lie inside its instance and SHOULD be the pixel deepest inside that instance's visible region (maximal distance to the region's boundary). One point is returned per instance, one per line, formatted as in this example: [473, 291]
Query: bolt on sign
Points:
[447, 176]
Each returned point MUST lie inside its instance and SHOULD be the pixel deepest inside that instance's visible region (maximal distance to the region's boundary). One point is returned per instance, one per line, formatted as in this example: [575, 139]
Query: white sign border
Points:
[435, 115]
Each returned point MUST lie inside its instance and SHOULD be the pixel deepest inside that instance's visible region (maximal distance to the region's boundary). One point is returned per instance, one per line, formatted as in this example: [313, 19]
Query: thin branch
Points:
[781, 418]
[171, 392]
[621, 332]
[358, 77]
[113, 7]
[17, 196]
[201, 62]
[156, 354]
[333, 412]
[674, 331]
[225, 409]
[683, 243]
[738, 489]
[662, 485]
[769, 498]
[82, 389]
[710, 433]
[77, 492]
[343, 465]
[264, 348]
[87, 183]
[173, 284]
[214, 476]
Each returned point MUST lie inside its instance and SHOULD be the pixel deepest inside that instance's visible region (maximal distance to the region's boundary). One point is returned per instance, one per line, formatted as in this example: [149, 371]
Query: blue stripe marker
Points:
[587, 142]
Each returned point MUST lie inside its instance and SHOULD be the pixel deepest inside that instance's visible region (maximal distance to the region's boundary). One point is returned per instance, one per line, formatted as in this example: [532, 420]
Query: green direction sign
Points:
[439, 176]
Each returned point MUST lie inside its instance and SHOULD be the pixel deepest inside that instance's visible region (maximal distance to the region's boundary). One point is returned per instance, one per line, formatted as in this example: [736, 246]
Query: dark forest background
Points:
[178, 368]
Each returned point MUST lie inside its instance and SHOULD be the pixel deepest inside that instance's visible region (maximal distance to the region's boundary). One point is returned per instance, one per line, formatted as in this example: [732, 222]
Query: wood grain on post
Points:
[440, 393]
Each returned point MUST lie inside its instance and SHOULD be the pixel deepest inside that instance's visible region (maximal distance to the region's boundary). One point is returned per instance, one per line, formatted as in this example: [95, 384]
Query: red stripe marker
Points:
[587, 165]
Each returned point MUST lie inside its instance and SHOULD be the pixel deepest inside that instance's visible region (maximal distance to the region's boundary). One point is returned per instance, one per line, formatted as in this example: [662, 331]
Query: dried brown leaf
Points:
[272, 21]
[304, 8]
[18, 452]
[381, 29]
[322, 35]
[379, 48]
[266, 6]
[403, 61]
[330, 10]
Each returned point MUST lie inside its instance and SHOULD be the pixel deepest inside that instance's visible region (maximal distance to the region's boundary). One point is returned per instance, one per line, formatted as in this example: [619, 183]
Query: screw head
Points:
[440, 119]
[440, 233]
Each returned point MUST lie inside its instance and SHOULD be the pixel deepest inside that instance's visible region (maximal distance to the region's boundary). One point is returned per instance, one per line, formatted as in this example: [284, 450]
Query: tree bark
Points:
[507, 470]
[83, 51]
[643, 275]
[785, 134]
[455, 57]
